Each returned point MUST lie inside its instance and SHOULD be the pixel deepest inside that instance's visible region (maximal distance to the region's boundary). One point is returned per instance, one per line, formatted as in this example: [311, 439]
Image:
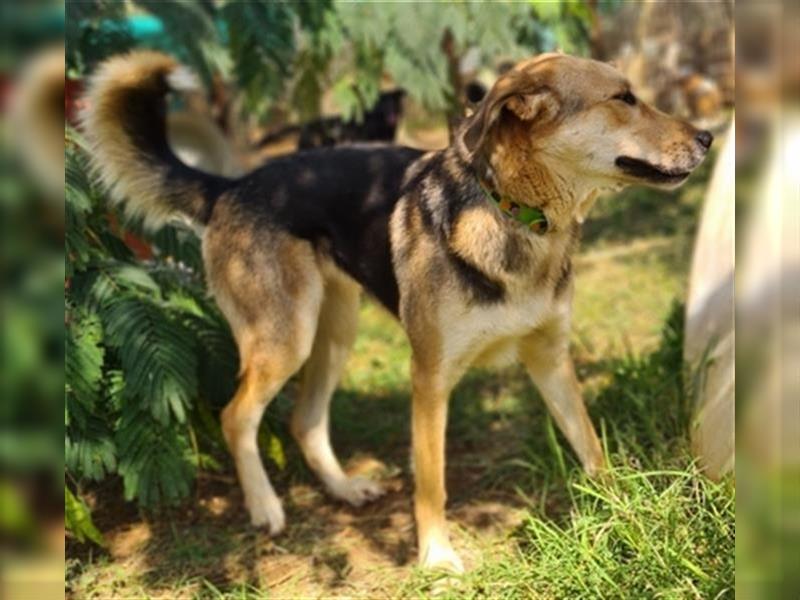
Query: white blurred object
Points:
[199, 142]
[709, 339]
[768, 304]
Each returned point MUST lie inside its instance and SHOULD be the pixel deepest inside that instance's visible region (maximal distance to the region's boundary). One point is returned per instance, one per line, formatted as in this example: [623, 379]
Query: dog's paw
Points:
[357, 491]
[268, 513]
[596, 468]
[440, 555]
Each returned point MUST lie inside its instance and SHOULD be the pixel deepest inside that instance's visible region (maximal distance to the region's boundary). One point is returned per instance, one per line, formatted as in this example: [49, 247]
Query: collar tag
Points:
[533, 218]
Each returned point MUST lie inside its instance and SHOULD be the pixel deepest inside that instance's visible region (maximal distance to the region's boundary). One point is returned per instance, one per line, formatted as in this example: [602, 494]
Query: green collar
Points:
[532, 218]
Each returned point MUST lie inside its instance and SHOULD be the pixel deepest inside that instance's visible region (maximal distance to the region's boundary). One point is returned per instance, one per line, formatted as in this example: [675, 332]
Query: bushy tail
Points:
[125, 126]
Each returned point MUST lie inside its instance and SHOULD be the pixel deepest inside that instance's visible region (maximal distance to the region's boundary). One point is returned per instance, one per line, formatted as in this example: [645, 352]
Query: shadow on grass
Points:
[646, 408]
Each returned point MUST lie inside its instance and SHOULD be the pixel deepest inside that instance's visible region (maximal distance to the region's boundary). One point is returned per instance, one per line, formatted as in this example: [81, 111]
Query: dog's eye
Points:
[626, 97]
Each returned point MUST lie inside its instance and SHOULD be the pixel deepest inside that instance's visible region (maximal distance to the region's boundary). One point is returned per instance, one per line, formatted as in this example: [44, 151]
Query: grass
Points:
[641, 534]
[525, 519]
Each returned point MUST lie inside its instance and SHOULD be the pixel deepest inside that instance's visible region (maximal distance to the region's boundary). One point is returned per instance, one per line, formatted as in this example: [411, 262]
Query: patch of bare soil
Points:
[327, 550]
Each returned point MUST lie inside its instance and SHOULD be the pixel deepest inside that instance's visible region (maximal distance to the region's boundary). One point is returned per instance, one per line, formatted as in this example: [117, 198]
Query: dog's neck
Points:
[536, 179]
[578, 192]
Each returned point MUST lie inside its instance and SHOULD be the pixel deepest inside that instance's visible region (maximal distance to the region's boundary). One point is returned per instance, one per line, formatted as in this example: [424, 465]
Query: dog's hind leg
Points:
[336, 333]
[545, 354]
[272, 307]
[260, 382]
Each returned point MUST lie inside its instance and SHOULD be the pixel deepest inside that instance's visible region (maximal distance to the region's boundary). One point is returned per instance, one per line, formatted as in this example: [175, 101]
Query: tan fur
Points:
[139, 184]
[562, 156]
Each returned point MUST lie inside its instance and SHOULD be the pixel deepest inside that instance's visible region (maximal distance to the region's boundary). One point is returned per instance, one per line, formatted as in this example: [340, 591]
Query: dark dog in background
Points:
[378, 125]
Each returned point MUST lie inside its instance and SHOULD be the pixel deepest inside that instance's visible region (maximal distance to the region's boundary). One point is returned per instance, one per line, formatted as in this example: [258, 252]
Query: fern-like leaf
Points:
[83, 361]
[157, 353]
[155, 460]
[261, 42]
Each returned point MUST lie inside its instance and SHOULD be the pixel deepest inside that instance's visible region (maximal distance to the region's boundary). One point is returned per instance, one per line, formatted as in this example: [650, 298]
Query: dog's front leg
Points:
[429, 421]
[545, 354]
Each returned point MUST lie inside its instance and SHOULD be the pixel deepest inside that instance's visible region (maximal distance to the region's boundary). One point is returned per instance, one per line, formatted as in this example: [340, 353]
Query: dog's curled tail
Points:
[125, 126]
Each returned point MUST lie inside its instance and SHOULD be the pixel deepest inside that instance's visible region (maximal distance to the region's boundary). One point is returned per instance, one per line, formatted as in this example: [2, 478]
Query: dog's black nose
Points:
[704, 138]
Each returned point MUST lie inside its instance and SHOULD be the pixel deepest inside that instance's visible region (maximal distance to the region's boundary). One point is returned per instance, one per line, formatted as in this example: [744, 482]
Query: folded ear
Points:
[528, 102]
[541, 105]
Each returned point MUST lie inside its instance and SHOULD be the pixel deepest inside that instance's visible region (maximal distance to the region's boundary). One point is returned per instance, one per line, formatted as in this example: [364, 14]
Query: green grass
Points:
[525, 519]
[641, 534]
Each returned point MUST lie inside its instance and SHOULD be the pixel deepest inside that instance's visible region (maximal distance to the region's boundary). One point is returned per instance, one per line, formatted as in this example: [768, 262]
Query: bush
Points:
[148, 354]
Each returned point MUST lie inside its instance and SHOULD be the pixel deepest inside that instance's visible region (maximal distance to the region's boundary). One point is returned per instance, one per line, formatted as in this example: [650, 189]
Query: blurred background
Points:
[150, 501]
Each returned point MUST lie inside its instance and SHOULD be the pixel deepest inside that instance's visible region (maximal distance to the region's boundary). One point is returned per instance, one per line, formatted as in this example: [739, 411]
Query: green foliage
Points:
[558, 24]
[16, 517]
[646, 399]
[286, 54]
[155, 460]
[254, 43]
[156, 352]
[191, 32]
[94, 29]
[406, 42]
[93, 454]
[261, 43]
[632, 535]
[142, 345]
[78, 519]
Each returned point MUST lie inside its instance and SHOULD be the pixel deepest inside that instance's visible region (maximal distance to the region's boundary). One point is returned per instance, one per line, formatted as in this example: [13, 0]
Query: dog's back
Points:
[339, 199]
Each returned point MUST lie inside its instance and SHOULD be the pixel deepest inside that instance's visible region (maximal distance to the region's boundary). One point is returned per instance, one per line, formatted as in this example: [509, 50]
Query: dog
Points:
[378, 125]
[469, 247]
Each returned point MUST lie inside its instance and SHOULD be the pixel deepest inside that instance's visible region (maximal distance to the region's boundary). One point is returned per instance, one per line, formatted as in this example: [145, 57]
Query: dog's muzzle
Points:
[641, 169]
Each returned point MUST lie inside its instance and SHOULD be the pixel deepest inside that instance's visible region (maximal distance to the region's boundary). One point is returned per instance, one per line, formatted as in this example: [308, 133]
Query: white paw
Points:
[268, 512]
[440, 555]
[357, 490]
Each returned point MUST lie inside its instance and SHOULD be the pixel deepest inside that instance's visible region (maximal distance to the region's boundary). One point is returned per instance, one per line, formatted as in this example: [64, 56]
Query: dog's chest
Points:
[488, 334]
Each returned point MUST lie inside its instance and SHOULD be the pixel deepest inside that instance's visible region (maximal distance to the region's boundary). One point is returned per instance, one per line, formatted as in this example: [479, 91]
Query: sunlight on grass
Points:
[635, 534]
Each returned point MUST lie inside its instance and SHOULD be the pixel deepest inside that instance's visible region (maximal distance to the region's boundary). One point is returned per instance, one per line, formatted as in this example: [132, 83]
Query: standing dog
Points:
[468, 246]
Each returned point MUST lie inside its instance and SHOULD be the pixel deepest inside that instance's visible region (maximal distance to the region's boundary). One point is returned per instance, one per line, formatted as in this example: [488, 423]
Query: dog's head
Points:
[580, 118]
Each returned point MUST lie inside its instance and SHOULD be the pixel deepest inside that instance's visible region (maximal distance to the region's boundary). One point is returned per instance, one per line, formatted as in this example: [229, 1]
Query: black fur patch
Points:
[429, 222]
[440, 211]
[563, 278]
[514, 257]
[337, 198]
[143, 114]
[483, 289]
[457, 197]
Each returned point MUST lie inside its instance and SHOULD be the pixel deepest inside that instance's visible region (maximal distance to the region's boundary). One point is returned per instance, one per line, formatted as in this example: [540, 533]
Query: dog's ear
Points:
[540, 106]
[527, 101]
